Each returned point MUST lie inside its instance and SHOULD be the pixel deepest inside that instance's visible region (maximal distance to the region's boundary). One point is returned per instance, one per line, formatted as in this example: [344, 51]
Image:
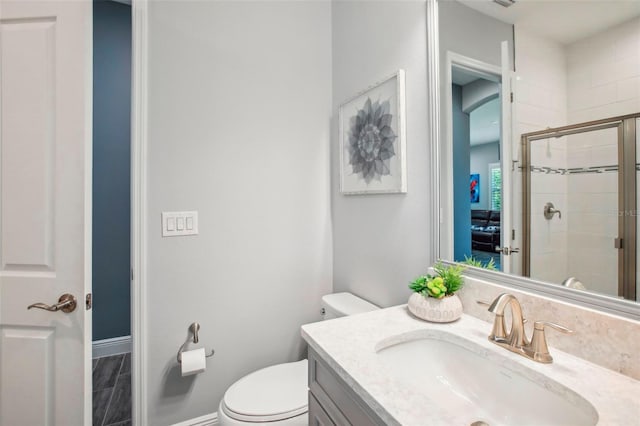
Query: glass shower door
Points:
[580, 205]
[575, 209]
[637, 208]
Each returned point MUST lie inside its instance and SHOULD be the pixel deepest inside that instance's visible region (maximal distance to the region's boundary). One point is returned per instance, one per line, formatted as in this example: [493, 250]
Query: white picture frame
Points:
[372, 139]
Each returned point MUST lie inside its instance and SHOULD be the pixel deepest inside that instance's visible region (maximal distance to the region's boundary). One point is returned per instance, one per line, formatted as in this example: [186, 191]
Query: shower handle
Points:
[550, 210]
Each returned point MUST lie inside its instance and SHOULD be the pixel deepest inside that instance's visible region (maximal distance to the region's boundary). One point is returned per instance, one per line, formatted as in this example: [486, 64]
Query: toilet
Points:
[278, 394]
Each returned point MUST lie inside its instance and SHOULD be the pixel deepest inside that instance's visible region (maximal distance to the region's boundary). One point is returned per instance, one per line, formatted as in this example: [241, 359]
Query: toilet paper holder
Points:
[193, 328]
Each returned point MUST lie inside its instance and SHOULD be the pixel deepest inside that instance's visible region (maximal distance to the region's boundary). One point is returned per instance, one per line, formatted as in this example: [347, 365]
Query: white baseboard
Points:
[108, 347]
[206, 420]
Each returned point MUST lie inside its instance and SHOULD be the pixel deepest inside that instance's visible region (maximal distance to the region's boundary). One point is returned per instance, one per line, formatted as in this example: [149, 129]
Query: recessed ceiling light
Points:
[505, 3]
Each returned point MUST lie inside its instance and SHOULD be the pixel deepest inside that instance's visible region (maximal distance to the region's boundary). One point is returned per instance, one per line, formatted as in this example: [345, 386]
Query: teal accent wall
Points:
[461, 196]
[111, 169]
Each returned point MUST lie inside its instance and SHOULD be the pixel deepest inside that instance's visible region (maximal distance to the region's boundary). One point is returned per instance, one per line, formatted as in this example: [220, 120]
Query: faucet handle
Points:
[540, 325]
[537, 349]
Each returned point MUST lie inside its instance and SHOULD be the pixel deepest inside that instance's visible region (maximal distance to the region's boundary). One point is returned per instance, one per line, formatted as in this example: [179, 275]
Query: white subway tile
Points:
[605, 94]
[627, 67]
[628, 39]
[628, 89]
[605, 72]
[630, 106]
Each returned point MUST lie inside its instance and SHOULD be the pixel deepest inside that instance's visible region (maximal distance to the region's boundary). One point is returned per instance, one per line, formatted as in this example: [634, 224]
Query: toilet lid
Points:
[273, 393]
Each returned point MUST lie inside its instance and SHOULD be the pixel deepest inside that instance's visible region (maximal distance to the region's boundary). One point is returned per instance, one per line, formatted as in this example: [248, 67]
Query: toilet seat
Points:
[274, 393]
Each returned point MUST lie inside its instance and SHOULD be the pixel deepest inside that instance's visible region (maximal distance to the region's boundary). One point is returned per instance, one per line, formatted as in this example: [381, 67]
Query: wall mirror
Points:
[536, 107]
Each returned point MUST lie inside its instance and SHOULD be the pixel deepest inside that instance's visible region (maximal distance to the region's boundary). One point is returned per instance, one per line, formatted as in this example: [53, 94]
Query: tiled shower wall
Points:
[594, 78]
[593, 211]
[603, 74]
[549, 238]
[603, 80]
[540, 89]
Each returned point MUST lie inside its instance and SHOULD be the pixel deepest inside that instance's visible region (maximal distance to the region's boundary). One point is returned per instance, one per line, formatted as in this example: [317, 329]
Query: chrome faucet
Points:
[549, 210]
[516, 339]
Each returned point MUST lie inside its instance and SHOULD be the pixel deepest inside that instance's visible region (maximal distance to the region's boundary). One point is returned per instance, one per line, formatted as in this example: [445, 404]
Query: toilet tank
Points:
[342, 304]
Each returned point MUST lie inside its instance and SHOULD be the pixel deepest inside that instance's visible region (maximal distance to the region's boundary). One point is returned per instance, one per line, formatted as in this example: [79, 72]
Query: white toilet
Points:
[278, 394]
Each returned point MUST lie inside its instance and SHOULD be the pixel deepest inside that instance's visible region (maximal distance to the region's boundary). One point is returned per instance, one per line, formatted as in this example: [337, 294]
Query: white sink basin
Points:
[461, 376]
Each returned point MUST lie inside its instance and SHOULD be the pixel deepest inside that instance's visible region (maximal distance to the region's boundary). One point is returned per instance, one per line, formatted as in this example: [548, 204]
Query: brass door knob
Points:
[66, 303]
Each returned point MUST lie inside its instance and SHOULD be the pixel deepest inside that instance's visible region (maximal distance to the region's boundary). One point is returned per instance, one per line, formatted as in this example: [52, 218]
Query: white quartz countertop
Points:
[348, 346]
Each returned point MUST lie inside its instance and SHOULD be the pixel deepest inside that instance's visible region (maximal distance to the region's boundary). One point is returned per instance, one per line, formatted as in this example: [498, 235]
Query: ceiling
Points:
[565, 21]
[462, 77]
[484, 123]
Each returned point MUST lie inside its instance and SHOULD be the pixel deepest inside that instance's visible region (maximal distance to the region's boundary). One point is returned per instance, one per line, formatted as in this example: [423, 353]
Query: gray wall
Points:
[111, 169]
[381, 241]
[481, 157]
[470, 33]
[240, 105]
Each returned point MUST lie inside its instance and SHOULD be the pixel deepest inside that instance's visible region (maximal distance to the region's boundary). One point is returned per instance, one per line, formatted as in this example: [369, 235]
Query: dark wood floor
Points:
[112, 390]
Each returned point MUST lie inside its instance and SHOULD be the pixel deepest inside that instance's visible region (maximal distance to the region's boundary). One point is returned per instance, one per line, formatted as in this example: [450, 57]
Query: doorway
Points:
[477, 174]
[111, 269]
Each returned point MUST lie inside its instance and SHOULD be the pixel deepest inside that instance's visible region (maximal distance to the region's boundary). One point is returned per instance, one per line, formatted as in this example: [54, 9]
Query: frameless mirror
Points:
[556, 210]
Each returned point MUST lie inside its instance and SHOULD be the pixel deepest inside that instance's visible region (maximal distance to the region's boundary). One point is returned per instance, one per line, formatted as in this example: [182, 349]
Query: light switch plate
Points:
[173, 224]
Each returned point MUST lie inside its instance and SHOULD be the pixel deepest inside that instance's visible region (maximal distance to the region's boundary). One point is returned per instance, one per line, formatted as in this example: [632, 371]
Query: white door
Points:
[506, 157]
[45, 211]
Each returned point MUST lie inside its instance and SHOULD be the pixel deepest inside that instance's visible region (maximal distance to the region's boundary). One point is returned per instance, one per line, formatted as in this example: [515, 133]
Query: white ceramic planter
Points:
[447, 309]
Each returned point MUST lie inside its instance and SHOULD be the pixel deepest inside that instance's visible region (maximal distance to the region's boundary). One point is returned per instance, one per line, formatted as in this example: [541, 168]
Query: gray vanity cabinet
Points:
[332, 401]
[317, 415]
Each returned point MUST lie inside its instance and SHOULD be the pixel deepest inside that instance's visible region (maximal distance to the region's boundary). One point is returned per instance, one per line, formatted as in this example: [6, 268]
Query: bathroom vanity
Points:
[388, 368]
[331, 399]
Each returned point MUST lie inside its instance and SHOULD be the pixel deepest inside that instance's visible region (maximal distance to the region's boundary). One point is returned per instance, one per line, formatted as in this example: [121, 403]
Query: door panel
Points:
[32, 350]
[28, 144]
[45, 245]
[506, 157]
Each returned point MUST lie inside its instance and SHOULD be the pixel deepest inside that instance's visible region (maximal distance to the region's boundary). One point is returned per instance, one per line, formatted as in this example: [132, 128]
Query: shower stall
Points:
[579, 205]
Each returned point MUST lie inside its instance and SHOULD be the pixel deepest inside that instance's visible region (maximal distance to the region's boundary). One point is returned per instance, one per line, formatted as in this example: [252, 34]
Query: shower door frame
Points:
[627, 207]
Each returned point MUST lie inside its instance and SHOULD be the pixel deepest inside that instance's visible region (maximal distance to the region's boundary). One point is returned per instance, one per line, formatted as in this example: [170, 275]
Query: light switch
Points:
[178, 224]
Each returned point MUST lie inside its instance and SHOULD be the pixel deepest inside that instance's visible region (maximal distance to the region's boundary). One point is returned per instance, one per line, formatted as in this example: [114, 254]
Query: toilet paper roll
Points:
[193, 362]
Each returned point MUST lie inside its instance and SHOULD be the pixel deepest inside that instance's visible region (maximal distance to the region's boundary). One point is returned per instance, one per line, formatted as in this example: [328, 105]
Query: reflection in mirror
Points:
[591, 169]
[573, 62]
[476, 117]
[472, 93]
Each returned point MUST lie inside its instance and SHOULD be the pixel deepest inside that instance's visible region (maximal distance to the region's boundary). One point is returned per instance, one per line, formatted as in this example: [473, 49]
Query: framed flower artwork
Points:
[372, 139]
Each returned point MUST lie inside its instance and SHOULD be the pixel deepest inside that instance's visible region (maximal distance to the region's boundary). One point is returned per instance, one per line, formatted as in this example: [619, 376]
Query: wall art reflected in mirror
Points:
[557, 172]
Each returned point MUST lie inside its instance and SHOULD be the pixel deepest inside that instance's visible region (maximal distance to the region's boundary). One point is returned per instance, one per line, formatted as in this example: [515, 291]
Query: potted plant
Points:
[472, 261]
[434, 297]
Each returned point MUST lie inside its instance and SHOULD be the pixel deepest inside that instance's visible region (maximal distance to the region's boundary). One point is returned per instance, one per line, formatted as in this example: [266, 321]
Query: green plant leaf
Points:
[451, 275]
[471, 261]
[446, 281]
[419, 284]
